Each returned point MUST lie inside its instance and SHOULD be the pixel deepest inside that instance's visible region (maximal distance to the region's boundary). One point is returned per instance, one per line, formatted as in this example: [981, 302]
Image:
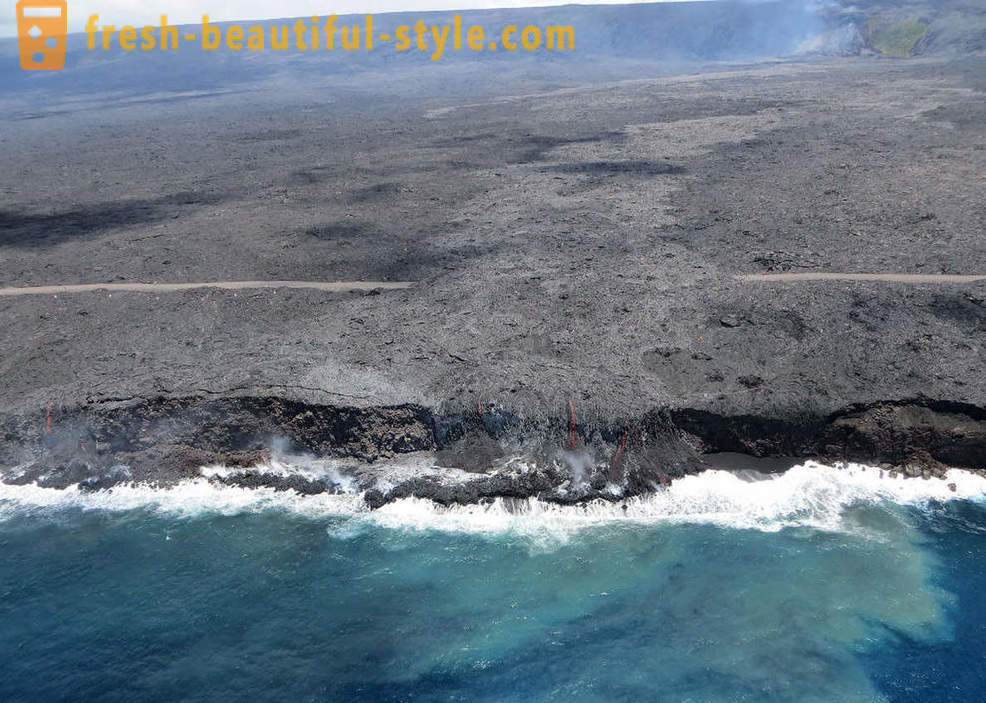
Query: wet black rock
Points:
[260, 479]
[63, 475]
[106, 479]
[374, 498]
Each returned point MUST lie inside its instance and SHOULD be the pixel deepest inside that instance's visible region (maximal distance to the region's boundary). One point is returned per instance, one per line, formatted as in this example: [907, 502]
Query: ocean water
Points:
[818, 585]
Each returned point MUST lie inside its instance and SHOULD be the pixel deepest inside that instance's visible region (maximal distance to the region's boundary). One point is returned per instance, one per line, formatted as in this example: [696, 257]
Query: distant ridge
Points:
[629, 35]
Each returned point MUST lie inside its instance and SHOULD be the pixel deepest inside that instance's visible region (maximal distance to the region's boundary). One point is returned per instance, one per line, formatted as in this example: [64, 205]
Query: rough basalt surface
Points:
[571, 238]
[565, 460]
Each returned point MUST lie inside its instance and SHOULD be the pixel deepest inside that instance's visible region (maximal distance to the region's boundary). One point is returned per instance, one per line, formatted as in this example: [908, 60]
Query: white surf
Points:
[809, 495]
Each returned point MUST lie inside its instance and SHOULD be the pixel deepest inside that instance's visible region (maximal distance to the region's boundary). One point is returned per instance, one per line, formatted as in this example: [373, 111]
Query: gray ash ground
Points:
[577, 244]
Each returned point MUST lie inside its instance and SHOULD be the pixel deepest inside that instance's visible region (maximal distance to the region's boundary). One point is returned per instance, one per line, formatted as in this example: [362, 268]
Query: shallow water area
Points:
[816, 584]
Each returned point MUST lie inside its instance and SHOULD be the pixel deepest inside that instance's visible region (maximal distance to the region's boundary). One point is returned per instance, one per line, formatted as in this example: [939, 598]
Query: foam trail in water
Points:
[809, 495]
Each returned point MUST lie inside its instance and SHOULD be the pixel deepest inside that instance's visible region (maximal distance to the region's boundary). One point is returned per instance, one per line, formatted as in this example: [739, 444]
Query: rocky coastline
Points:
[471, 455]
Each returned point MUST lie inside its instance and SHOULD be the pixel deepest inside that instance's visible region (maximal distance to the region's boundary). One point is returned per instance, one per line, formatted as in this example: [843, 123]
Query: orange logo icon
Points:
[41, 29]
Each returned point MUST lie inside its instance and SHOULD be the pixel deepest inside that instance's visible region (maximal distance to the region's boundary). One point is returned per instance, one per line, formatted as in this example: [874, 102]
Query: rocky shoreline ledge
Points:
[461, 456]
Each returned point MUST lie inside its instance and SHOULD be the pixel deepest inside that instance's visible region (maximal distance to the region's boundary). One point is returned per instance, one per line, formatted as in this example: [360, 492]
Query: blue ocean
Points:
[820, 584]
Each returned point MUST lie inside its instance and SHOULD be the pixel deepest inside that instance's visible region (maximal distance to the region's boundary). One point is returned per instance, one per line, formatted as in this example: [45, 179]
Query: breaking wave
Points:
[810, 495]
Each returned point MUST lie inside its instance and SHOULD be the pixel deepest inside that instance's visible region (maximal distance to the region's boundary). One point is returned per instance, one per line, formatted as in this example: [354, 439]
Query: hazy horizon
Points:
[132, 12]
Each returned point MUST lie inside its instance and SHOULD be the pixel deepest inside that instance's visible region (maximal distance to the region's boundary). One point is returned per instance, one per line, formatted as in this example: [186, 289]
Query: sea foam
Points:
[809, 495]
[187, 499]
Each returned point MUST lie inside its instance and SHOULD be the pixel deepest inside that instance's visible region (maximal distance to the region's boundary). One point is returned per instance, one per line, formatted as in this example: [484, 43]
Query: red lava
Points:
[618, 456]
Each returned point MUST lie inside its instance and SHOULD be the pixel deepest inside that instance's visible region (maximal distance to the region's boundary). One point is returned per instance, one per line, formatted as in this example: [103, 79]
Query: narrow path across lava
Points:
[883, 277]
[328, 286]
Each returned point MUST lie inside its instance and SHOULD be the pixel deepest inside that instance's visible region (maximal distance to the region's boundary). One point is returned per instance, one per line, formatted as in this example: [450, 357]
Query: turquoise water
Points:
[792, 590]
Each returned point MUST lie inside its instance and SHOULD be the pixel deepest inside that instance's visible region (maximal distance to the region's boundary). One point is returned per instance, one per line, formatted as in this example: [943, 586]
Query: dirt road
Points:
[884, 277]
[328, 286]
